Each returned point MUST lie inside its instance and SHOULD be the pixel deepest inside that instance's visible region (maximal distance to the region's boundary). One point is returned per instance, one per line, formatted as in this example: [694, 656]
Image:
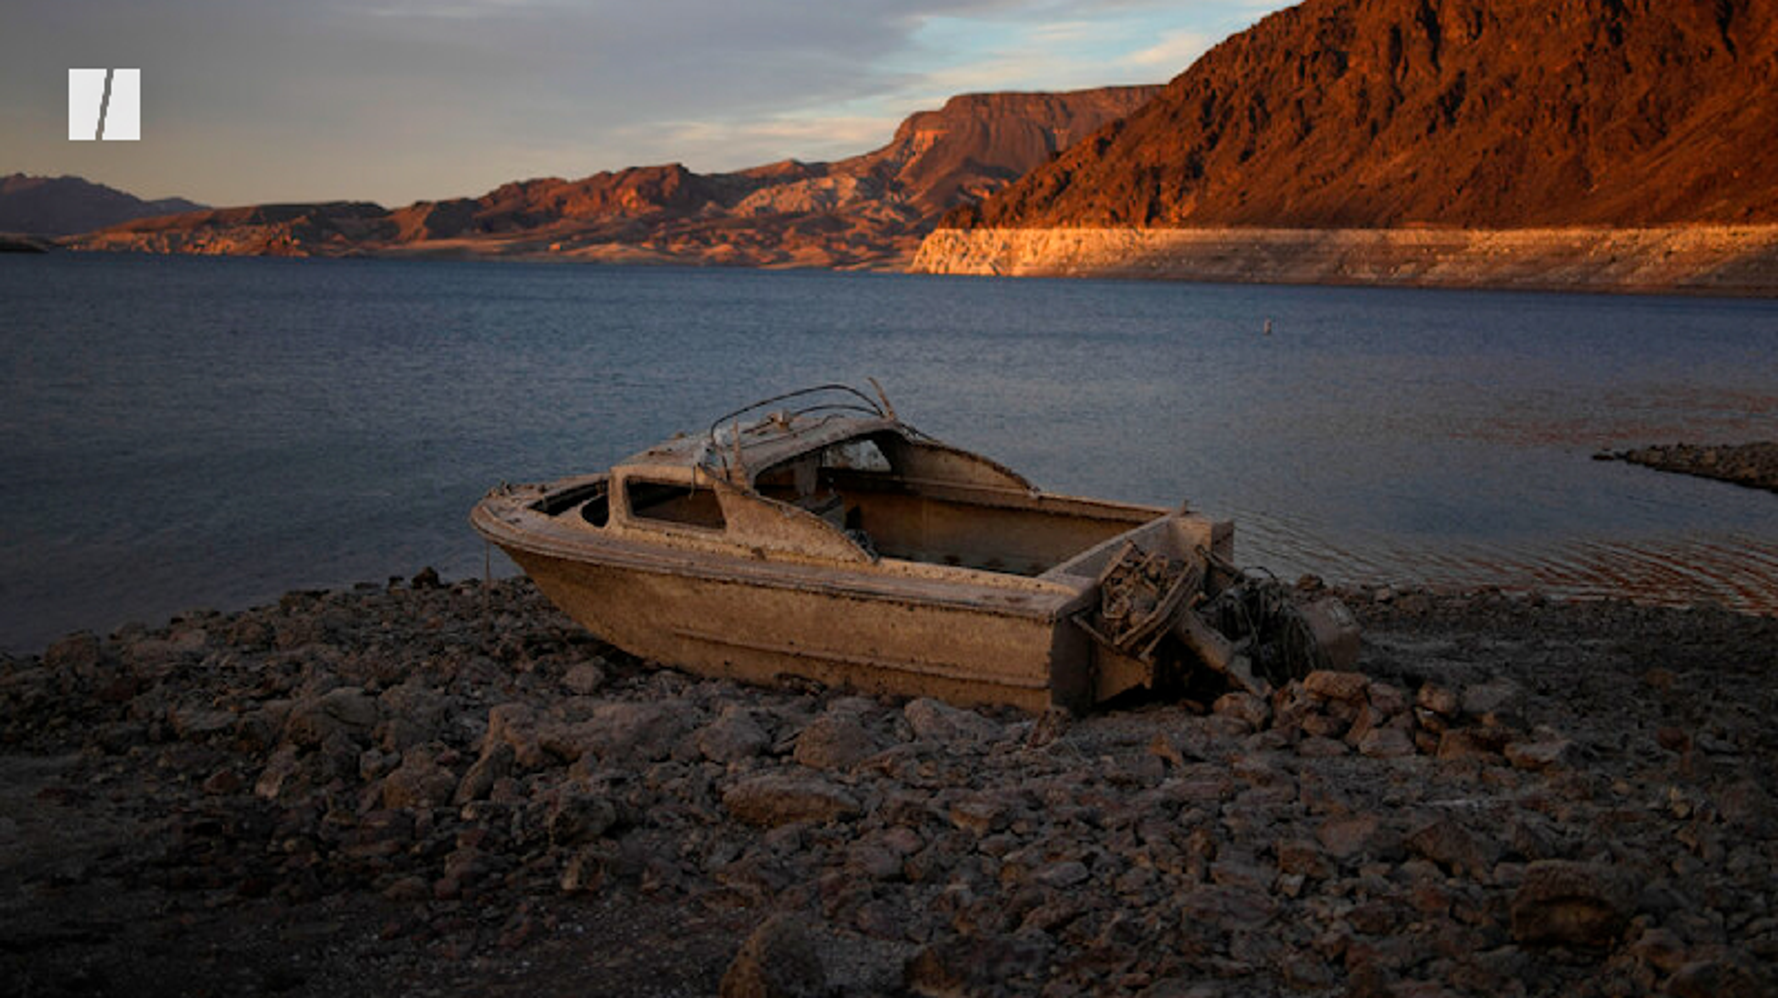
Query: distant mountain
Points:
[1443, 113]
[62, 206]
[867, 211]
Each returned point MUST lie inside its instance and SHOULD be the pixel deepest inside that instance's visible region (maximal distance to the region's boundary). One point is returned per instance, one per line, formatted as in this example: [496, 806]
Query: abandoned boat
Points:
[828, 540]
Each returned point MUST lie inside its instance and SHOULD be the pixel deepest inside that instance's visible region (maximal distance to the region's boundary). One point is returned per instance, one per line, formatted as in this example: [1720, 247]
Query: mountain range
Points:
[61, 206]
[866, 211]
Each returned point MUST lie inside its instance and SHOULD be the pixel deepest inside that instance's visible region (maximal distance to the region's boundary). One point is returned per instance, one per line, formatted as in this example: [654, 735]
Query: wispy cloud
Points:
[1174, 52]
[718, 144]
[397, 99]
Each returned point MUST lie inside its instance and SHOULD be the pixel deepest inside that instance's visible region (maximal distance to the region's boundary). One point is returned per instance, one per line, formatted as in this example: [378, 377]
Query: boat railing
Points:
[860, 403]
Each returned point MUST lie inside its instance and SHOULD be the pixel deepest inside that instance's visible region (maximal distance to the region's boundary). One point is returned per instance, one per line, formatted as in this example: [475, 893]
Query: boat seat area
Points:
[826, 505]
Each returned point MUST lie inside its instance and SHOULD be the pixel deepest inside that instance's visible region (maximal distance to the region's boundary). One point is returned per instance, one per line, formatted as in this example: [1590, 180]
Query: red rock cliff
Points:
[1460, 113]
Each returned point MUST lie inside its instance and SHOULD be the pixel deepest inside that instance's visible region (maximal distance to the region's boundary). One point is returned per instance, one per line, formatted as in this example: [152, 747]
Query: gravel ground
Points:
[429, 789]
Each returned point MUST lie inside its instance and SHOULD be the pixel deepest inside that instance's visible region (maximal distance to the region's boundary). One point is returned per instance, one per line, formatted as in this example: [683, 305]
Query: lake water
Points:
[182, 432]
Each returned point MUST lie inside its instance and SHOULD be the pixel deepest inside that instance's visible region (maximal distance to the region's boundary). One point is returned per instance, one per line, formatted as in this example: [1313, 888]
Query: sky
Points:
[393, 101]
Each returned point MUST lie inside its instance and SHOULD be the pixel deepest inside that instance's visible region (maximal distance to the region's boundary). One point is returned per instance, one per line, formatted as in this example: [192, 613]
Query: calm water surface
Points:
[182, 432]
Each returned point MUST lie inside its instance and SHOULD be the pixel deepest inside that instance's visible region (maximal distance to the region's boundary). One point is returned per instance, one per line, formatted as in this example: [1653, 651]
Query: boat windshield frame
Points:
[857, 405]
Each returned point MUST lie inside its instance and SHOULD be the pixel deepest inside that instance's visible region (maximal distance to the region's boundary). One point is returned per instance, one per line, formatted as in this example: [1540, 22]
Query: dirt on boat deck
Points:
[1754, 465]
[453, 789]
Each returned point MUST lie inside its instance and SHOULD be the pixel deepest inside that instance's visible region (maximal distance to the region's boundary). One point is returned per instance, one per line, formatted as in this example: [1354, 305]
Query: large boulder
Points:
[780, 960]
[1561, 902]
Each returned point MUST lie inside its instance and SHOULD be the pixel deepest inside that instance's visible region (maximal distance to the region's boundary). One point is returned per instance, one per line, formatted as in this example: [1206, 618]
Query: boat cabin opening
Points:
[920, 501]
[689, 505]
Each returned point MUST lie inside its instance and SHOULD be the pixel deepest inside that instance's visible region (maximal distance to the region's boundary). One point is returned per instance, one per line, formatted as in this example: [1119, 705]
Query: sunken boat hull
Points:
[767, 628]
[895, 626]
[854, 551]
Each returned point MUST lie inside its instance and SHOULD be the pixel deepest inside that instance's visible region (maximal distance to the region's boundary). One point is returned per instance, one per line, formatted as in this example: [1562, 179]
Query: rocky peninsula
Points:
[1754, 465]
[421, 788]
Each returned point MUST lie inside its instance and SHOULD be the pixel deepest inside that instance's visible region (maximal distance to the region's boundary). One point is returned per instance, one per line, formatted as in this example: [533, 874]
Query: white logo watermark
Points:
[104, 104]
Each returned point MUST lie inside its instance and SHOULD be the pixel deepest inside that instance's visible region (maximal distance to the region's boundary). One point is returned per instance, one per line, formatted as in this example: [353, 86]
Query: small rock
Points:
[880, 918]
[873, 861]
[779, 960]
[1386, 743]
[1387, 700]
[419, 781]
[584, 678]
[1062, 875]
[347, 711]
[408, 889]
[1673, 739]
[1726, 978]
[1547, 752]
[1318, 748]
[585, 871]
[515, 724]
[732, 737]
[836, 740]
[780, 799]
[198, 723]
[495, 764]
[1348, 835]
[222, 783]
[1454, 847]
[79, 653]
[1163, 748]
[281, 776]
[1660, 948]
[936, 721]
[580, 817]
[1307, 972]
[1438, 699]
[1492, 697]
[1347, 687]
[415, 714]
[374, 763]
[1363, 723]
[1466, 743]
[961, 965]
[1300, 857]
[1249, 709]
[978, 816]
[645, 731]
[1320, 725]
[1050, 726]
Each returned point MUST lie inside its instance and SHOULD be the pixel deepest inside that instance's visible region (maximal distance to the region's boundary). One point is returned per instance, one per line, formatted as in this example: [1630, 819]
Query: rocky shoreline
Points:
[1754, 465]
[428, 788]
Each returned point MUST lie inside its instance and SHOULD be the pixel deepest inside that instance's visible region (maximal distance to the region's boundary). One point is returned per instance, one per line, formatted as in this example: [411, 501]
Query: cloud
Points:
[394, 100]
[717, 144]
[1174, 52]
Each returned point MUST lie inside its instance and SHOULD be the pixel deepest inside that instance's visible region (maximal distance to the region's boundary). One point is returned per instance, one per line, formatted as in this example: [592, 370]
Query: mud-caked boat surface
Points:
[830, 541]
